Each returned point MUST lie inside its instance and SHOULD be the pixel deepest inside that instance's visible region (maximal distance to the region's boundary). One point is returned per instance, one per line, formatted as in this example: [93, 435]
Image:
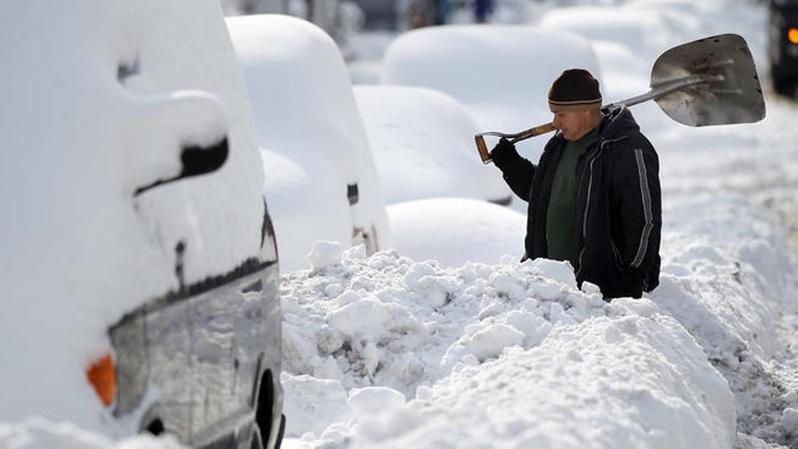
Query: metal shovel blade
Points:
[730, 93]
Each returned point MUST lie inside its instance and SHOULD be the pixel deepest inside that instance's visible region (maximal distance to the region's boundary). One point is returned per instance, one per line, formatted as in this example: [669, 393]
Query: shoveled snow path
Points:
[760, 162]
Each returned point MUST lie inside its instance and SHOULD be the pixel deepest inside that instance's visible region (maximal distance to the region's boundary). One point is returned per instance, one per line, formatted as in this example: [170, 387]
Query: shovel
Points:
[711, 81]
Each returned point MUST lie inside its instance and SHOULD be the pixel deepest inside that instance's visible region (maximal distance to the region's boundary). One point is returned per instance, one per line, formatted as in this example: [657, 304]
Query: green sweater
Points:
[560, 224]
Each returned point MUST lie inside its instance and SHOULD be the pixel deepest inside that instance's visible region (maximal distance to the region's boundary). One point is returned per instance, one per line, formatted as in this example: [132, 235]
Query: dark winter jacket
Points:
[618, 205]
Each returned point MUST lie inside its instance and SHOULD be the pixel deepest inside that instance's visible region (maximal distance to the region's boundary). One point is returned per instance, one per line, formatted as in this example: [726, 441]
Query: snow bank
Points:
[449, 339]
[423, 145]
[636, 381]
[455, 231]
[500, 73]
[105, 97]
[680, 369]
[740, 275]
[727, 289]
[307, 119]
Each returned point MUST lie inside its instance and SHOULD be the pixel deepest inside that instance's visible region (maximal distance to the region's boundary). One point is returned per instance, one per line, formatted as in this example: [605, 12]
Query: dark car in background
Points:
[783, 45]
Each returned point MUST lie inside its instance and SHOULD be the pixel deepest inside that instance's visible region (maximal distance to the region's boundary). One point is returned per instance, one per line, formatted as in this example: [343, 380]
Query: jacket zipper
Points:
[587, 202]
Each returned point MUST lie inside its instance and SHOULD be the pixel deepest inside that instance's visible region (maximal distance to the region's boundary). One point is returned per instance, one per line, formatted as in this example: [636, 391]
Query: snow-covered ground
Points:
[513, 355]
[400, 349]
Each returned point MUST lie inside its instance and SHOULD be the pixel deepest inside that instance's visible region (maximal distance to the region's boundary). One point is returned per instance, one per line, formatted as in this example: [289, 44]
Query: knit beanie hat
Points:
[574, 90]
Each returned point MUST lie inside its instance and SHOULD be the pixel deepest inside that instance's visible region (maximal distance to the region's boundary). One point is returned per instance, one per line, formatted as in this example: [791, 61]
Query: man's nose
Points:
[556, 122]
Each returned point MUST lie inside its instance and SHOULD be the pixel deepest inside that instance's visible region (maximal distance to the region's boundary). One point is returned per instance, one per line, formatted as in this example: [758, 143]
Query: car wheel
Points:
[151, 421]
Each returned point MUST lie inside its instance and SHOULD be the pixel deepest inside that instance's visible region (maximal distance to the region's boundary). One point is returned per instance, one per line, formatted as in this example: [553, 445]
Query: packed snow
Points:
[447, 340]
[648, 373]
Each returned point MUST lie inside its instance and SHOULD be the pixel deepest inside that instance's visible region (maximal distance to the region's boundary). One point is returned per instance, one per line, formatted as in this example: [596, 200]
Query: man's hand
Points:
[503, 151]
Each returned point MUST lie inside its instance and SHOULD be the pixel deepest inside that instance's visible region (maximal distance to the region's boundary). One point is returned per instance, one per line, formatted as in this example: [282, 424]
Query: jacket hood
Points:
[617, 122]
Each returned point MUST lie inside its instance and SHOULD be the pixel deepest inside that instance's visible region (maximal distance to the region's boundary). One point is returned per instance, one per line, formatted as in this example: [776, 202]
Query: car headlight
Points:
[102, 376]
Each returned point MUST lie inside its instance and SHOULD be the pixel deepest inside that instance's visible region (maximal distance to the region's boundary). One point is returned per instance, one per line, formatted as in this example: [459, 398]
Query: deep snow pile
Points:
[488, 335]
[727, 278]
[437, 341]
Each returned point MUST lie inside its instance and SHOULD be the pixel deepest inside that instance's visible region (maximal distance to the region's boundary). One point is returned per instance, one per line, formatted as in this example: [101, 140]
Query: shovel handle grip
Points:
[482, 148]
[532, 132]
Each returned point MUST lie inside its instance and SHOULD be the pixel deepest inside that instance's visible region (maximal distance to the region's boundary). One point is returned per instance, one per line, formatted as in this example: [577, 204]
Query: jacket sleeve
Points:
[516, 170]
[639, 206]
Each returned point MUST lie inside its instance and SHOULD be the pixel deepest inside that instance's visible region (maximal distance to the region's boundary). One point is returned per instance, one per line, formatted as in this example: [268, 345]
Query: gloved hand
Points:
[502, 152]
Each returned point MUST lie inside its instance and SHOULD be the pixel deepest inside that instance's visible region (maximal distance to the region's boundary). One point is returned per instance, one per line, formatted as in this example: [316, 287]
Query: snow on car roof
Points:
[423, 145]
[454, 231]
[645, 32]
[500, 73]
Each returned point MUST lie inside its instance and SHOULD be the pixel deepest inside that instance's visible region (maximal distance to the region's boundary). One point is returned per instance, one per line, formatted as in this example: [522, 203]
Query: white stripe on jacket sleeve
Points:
[645, 195]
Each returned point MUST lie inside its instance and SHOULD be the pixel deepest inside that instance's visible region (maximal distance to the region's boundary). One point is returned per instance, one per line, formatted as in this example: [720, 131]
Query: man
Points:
[594, 197]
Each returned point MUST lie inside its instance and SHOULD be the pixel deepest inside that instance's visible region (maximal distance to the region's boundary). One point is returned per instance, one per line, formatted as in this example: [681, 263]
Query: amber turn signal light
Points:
[102, 377]
[792, 35]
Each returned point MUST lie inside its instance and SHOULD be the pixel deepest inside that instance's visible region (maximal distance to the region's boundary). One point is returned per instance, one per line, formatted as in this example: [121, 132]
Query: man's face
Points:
[574, 124]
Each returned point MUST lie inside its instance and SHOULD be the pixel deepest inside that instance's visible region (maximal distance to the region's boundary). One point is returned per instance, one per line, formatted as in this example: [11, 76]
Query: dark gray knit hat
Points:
[574, 90]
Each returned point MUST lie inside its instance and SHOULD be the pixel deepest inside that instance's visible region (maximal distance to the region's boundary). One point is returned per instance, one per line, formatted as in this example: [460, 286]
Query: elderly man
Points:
[594, 196]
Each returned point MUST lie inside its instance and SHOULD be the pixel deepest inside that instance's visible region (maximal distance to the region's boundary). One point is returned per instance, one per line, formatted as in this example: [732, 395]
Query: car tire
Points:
[151, 421]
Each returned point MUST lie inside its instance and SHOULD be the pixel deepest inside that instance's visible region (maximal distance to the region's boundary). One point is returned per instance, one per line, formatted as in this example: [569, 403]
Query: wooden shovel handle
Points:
[482, 148]
[532, 132]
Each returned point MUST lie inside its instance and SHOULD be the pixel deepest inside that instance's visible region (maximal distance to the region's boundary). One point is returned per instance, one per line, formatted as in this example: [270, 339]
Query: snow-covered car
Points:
[454, 231]
[423, 146]
[646, 33]
[783, 45]
[321, 182]
[139, 265]
[500, 73]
